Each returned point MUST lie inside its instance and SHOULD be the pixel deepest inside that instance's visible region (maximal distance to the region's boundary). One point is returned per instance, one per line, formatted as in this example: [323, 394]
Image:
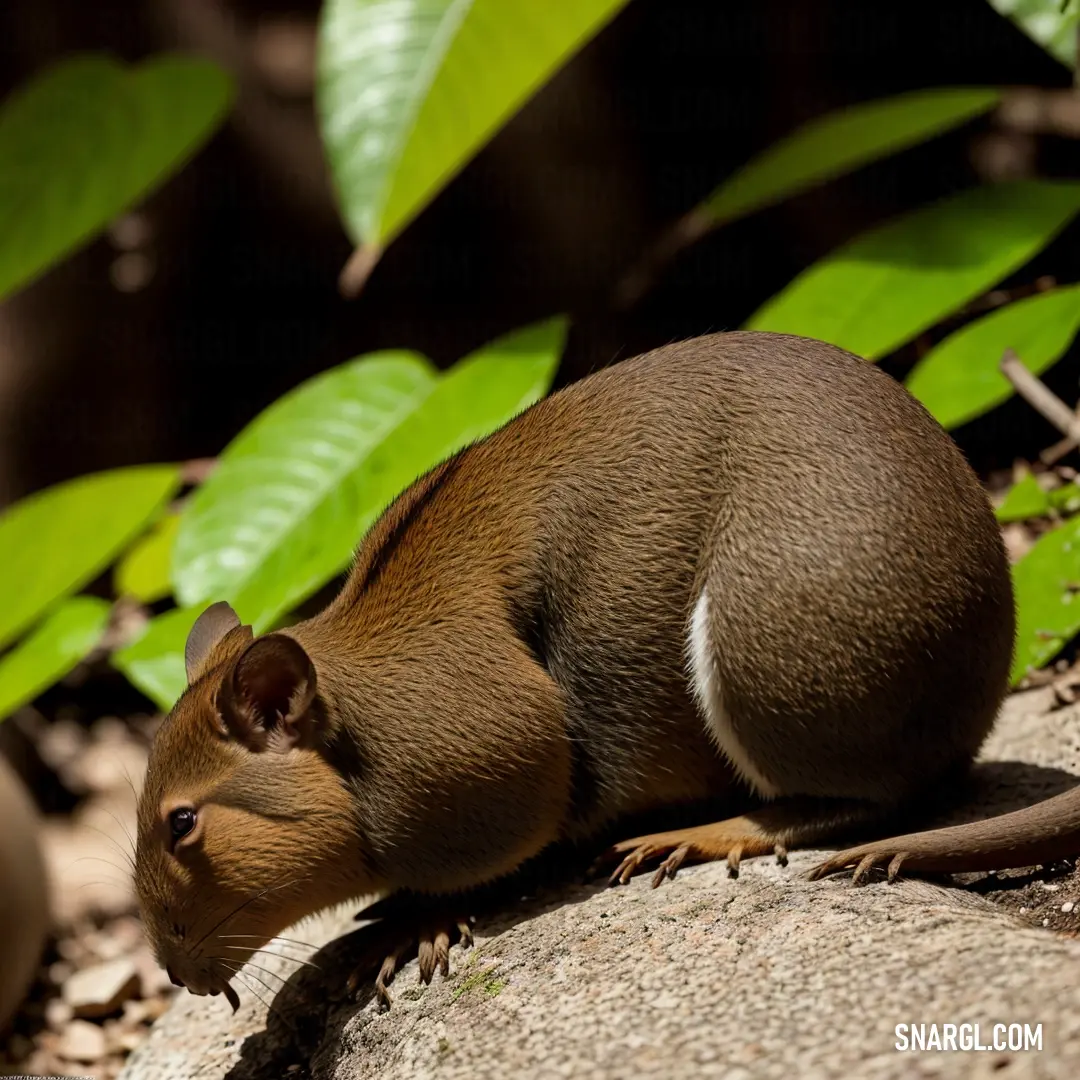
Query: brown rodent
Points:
[747, 561]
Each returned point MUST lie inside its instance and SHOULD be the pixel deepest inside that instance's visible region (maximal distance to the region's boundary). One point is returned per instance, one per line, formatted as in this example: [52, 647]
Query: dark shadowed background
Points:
[161, 339]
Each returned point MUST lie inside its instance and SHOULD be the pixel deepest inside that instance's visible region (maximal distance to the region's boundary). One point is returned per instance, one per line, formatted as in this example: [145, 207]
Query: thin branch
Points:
[197, 470]
[656, 258]
[1038, 395]
[1053, 454]
[358, 269]
[1035, 110]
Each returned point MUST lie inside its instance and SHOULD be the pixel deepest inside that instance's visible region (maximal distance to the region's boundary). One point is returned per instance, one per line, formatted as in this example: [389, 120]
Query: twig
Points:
[675, 239]
[197, 470]
[1034, 110]
[1076, 70]
[1053, 454]
[358, 269]
[1036, 393]
[127, 619]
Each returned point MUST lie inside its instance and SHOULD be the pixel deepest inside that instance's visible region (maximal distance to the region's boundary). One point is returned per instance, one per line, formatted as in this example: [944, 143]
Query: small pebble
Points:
[61, 742]
[1067, 906]
[60, 972]
[82, 1041]
[156, 1007]
[103, 988]
[19, 1046]
[135, 1012]
[57, 1013]
[122, 1041]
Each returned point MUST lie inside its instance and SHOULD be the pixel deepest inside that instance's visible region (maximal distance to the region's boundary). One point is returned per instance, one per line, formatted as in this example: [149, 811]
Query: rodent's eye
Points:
[181, 822]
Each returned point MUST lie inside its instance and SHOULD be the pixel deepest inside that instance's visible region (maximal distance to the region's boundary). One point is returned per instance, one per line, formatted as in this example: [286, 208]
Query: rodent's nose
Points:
[172, 978]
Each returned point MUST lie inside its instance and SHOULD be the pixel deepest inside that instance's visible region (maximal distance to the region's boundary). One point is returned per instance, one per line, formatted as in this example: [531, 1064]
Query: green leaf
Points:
[55, 541]
[155, 662]
[86, 139]
[1046, 581]
[409, 90]
[1066, 499]
[286, 488]
[1045, 22]
[51, 651]
[143, 573]
[475, 397]
[884, 287]
[959, 378]
[1026, 499]
[842, 141]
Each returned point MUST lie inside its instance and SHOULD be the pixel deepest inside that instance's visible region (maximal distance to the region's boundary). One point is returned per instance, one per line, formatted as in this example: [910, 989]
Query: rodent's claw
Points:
[633, 854]
[434, 951]
[431, 942]
[670, 866]
[731, 840]
[385, 978]
[628, 867]
[864, 863]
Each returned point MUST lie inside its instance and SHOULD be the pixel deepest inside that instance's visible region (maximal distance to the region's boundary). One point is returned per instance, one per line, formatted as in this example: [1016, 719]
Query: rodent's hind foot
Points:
[428, 941]
[865, 860]
[791, 820]
[733, 840]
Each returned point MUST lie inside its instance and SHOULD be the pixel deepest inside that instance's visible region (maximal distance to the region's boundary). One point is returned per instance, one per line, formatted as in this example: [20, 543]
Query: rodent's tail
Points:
[1039, 834]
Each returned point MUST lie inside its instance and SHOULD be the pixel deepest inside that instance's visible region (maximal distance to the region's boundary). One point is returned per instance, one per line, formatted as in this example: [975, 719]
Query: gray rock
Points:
[767, 975]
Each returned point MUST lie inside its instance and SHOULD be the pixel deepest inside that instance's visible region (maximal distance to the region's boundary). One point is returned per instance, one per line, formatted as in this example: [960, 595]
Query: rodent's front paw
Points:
[428, 939]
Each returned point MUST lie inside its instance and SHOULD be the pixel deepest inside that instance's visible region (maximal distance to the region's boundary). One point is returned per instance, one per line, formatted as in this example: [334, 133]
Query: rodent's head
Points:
[244, 825]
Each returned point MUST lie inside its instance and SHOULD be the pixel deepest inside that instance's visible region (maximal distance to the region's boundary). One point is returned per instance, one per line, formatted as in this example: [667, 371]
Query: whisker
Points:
[248, 963]
[123, 828]
[266, 971]
[112, 840]
[251, 975]
[98, 858]
[276, 937]
[242, 976]
[236, 911]
[282, 956]
[127, 777]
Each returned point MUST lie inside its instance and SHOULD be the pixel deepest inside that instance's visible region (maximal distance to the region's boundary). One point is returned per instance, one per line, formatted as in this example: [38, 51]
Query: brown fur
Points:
[506, 664]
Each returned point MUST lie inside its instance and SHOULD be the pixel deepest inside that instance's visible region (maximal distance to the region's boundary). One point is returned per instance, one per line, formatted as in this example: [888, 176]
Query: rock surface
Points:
[767, 975]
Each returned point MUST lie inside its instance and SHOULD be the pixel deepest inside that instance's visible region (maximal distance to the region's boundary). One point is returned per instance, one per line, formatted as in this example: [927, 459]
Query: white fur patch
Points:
[709, 694]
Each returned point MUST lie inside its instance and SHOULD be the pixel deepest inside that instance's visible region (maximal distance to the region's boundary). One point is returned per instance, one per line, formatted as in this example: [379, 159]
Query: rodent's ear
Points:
[211, 628]
[266, 700]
